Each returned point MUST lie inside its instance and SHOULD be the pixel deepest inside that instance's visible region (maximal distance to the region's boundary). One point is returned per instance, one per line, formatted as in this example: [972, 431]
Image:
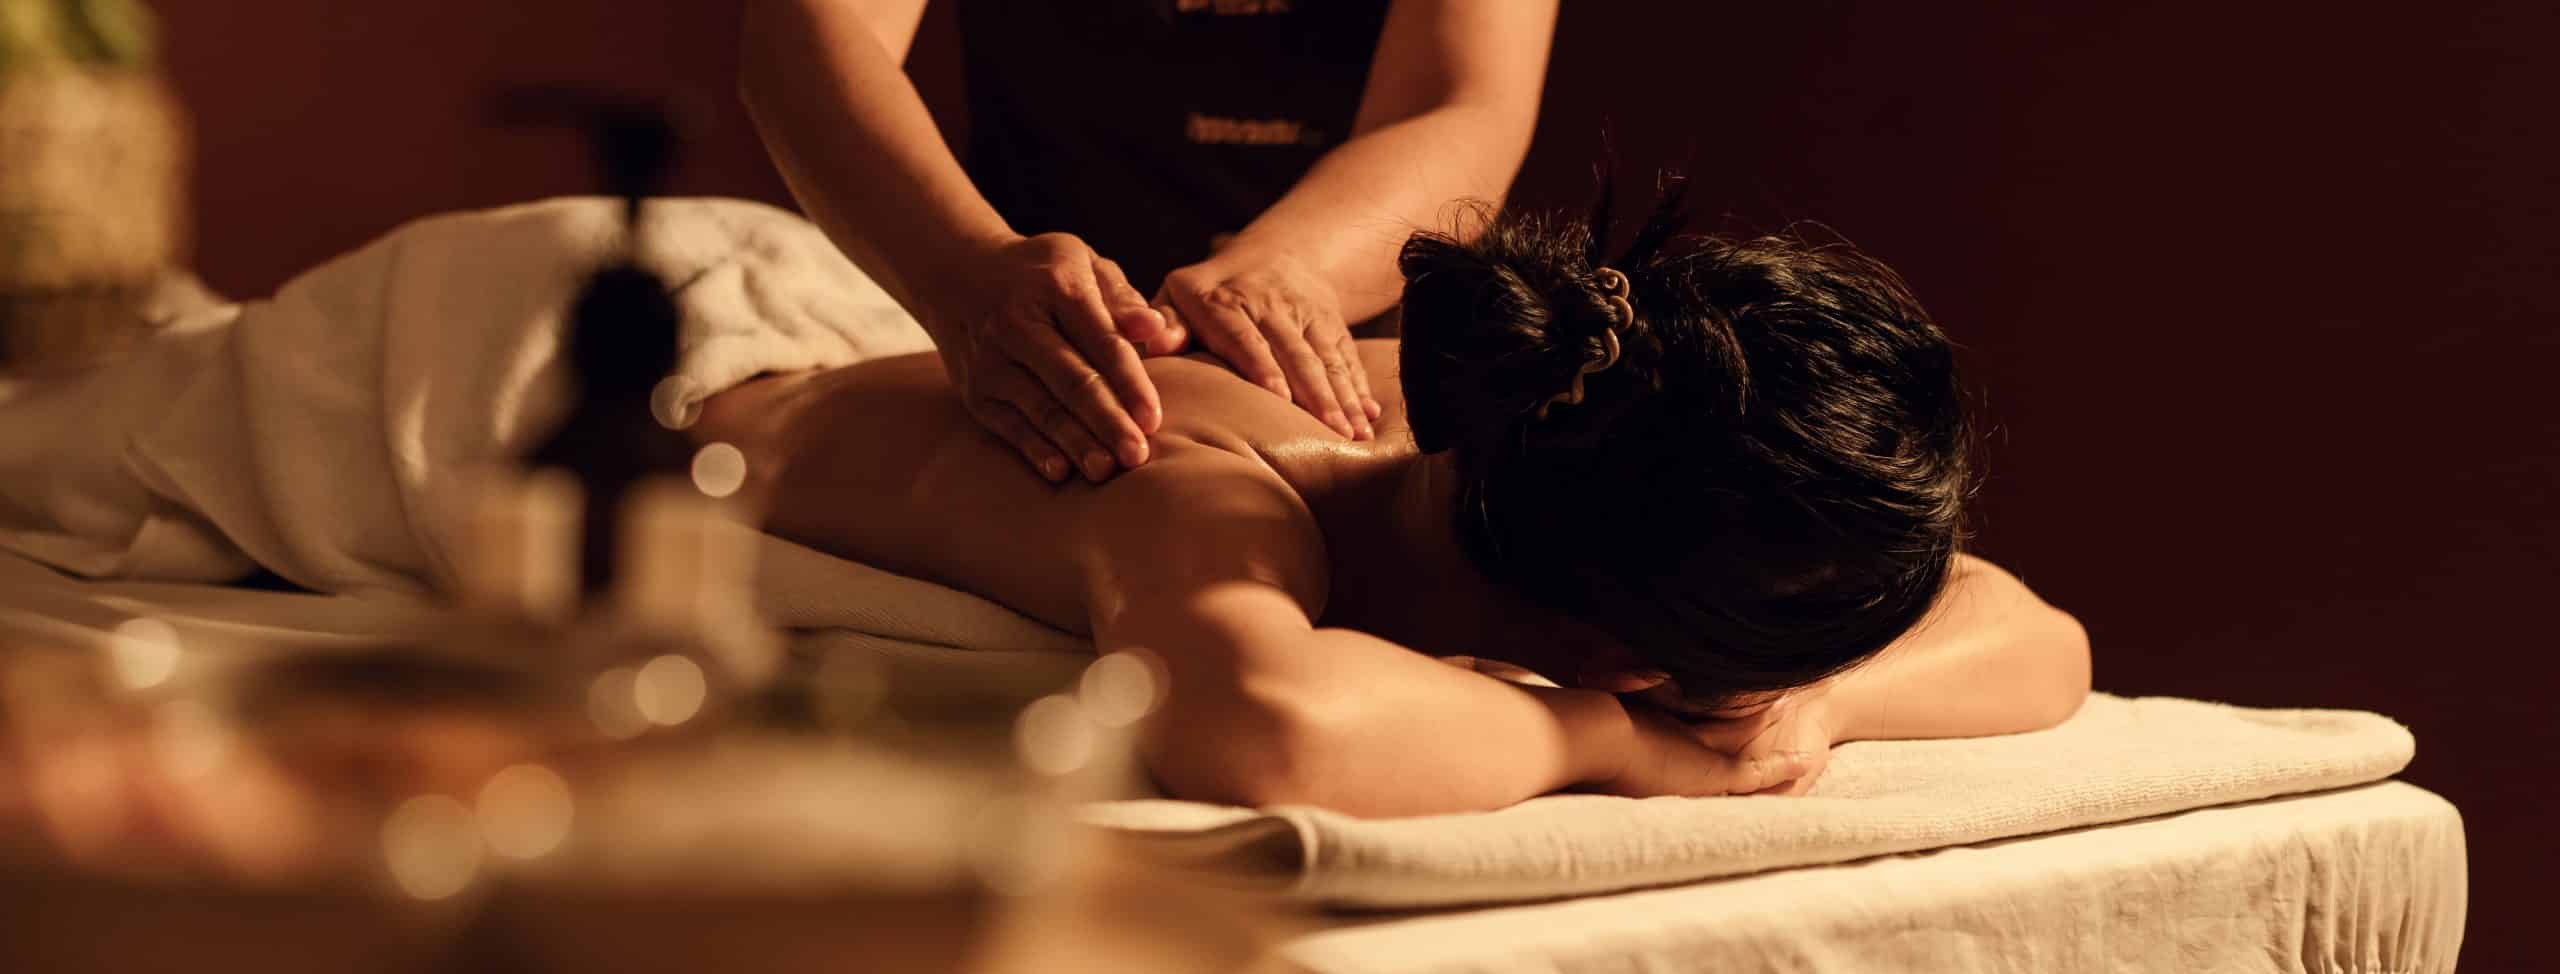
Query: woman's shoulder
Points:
[1206, 400]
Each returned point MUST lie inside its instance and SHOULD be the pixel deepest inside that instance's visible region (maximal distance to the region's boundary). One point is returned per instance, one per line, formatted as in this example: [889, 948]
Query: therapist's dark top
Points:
[1151, 128]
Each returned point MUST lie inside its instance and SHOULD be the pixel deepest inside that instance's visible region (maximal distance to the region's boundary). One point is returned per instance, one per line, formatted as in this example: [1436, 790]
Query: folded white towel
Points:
[2118, 759]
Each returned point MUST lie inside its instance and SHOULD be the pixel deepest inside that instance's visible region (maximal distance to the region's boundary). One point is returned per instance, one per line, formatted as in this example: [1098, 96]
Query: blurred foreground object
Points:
[170, 802]
[92, 181]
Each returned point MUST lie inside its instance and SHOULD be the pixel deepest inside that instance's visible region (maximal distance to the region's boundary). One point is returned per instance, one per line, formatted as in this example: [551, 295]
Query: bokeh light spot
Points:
[719, 469]
[524, 811]
[611, 704]
[669, 690]
[431, 846]
[1119, 689]
[144, 652]
[1053, 736]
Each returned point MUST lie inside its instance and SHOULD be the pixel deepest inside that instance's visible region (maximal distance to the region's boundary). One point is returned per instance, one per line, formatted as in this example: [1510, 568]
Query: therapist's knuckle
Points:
[1065, 280]
[1226, 296]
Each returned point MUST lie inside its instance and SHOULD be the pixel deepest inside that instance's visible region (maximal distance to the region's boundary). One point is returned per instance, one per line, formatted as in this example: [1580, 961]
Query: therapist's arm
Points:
[1451, 100]
[1029, 328]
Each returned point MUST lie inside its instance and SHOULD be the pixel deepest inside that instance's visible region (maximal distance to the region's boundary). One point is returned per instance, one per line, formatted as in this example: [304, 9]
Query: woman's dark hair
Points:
[1765, 488]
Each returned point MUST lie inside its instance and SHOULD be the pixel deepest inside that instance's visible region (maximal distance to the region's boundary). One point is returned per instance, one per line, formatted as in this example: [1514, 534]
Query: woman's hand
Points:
[1031, 331]
[1669, 757]
[1277, 323]
[1800, 722]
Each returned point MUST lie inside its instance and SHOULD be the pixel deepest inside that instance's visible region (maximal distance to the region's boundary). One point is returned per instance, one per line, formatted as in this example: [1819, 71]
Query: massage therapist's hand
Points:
[1278, 324]
[1030, 330]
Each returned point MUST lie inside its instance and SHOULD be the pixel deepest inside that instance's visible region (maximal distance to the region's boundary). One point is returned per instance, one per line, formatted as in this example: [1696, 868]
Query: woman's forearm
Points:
[1350, 214]
[1992, 659]
[1364, 726]
[853, 139]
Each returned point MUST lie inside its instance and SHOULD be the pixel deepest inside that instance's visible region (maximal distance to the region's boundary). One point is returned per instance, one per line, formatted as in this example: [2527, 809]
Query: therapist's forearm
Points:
[1351, 213]
[853, 140]
[1993, 659]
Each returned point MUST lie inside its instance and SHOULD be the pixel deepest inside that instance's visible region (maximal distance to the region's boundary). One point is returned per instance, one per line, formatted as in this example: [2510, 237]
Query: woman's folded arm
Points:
[1991, 658]
[1206, 560]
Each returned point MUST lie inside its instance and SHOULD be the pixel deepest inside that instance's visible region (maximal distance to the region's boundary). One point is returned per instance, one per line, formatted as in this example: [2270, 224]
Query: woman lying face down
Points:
[1713, 488]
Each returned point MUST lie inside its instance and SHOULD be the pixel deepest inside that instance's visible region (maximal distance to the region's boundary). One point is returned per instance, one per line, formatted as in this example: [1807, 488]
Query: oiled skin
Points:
[878, 463]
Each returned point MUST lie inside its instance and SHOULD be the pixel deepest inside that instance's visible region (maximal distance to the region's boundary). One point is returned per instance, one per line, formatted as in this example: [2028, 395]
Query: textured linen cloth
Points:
[2364, 880]
[2117, 759]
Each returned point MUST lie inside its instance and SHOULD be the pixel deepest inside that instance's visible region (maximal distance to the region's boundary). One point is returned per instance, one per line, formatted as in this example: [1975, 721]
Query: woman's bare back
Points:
[879, 463]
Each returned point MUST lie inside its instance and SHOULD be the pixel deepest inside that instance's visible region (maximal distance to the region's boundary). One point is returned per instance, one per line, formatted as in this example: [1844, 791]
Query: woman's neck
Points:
[1398, 571]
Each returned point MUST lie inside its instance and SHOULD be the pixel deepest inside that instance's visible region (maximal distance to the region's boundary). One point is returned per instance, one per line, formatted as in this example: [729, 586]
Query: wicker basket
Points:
[92, 211]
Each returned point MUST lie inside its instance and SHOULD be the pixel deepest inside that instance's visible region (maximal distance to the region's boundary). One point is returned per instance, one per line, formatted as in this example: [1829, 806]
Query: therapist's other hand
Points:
[1030, 331]
[1278, 324]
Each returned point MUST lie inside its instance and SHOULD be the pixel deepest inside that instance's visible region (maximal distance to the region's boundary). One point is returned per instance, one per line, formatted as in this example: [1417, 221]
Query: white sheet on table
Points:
[2364, 880]
[2117, 759]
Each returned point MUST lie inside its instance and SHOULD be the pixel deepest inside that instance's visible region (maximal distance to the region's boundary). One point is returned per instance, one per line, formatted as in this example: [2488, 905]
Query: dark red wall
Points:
[2261, 303]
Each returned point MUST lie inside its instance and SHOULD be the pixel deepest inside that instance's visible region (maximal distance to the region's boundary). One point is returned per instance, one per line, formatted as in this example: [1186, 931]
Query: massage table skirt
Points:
[2364, 880]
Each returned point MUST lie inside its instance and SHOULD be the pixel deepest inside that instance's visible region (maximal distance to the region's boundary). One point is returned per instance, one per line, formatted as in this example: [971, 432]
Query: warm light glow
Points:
[144, 652]
[525, 811]
[611, 704]
[431, 846]
[719, 469]
[1118, 689]
[1054, 736]
[190, 739]
[669, 690]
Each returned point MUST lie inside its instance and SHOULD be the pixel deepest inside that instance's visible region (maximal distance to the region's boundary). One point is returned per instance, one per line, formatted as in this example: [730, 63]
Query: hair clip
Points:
[1613, 285]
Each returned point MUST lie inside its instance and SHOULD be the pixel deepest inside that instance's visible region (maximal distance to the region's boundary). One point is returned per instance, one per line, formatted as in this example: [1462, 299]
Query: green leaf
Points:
[116, 32]
[30, 34]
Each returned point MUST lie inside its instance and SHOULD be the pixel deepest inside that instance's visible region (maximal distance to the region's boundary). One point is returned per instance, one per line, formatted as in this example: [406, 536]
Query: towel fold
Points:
[2118, 759]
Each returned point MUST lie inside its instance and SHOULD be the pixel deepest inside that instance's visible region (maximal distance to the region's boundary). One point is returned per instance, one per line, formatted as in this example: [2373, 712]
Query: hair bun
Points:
[1767, 487]
[1497, 329]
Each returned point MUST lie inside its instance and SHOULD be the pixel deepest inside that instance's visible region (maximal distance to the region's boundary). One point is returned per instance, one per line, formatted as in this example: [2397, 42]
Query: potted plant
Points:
[92, 195]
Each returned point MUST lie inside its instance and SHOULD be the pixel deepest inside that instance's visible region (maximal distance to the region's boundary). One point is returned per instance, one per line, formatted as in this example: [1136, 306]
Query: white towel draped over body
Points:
[325, 433]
